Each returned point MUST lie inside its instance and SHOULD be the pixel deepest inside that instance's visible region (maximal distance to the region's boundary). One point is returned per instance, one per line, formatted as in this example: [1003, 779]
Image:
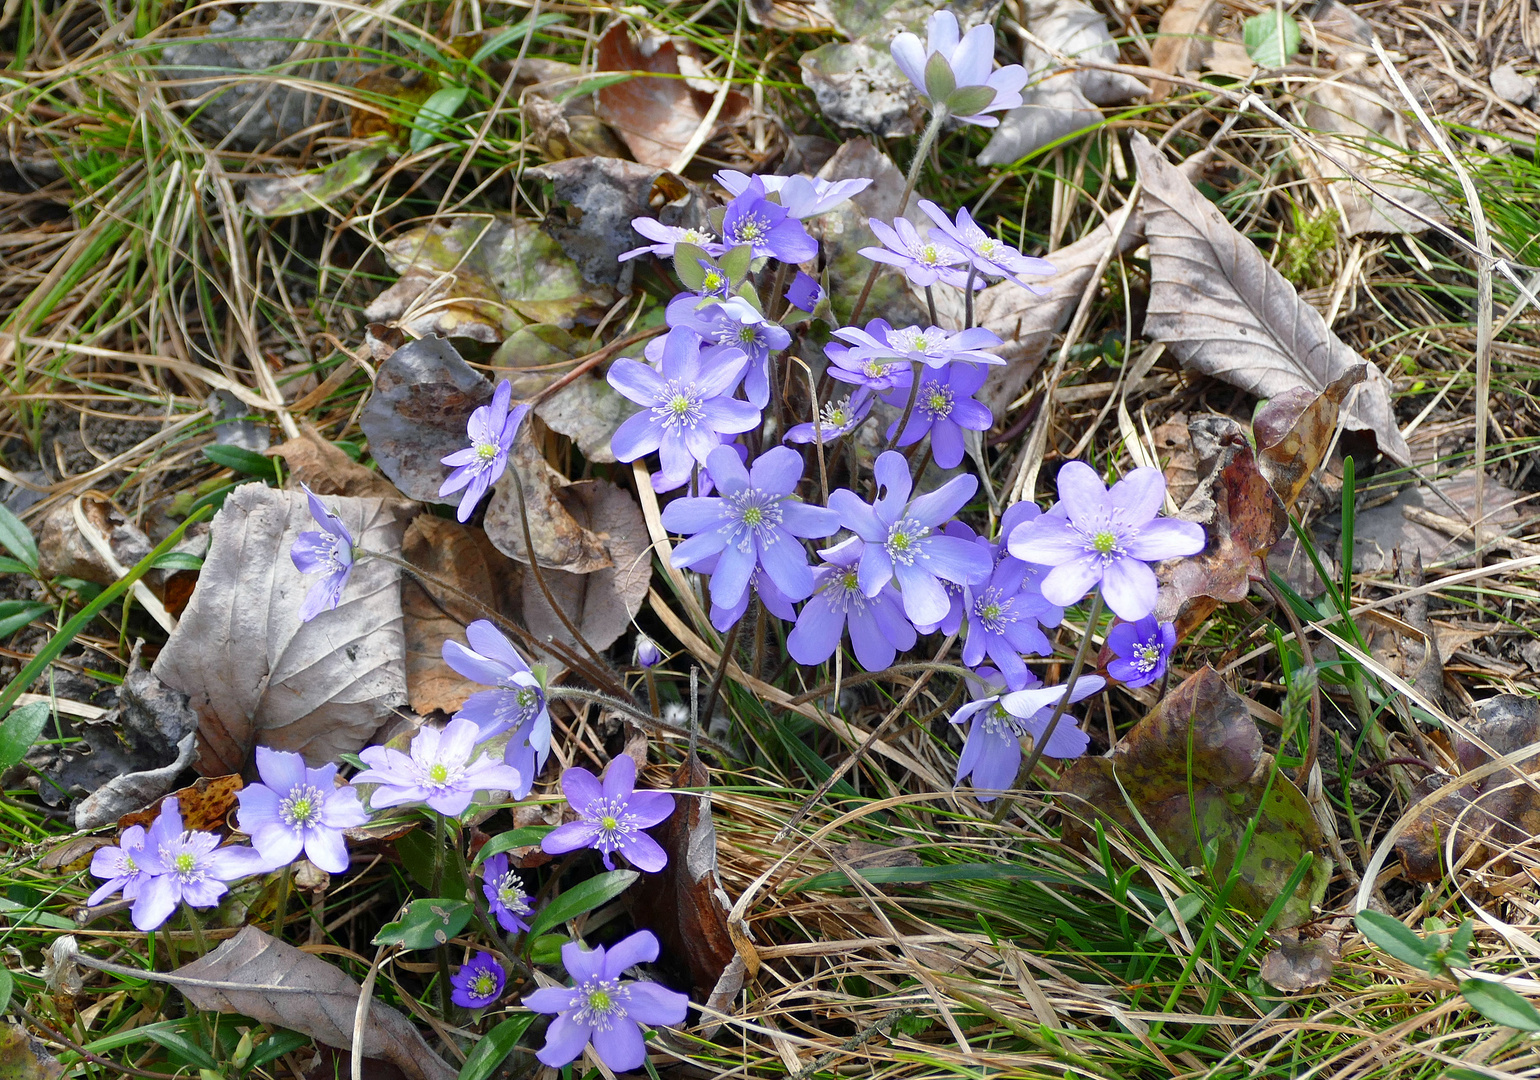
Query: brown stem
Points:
[914, 395]
[728, 645]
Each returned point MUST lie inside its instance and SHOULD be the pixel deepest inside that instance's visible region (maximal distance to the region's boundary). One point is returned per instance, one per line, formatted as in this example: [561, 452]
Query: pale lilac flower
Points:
[1096, 537]
[184, 866]
[476, 468]
[732, 326]
[296, 808]
[765, 227]
[968, 60]
[761, 585]
[756, 521]
[989, 256]
[878, 628]
[687, 404]
[505, 894]
[439, 770]
[903, 541]
[944, 408]
[328, 553]
[838, 418]
[1005, 615]
[478, 983]
[956, 594]
[802, 196]
[804, 293]
[872, 373]
[517, 703]
[647, 652]
[601, 1009]
[611, 817]
[928, 345]
[1142, 649]
[924, 261]
[122, 866]
[1001, 719]
[664, 237]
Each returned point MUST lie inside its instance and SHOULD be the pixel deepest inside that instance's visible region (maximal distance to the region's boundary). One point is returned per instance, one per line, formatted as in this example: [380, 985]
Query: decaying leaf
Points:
[1299, 965]
[285, 196]
[1405, 523]
[258, 976]
[588, 411]
[423, 396]
[534, 357]
[1183, 40]
[254, 671]
[464, 557]
[857, 85]
[24, 1058]
[561, 542]
[560, 122]
[131, 790]
[1232, 780]
[204, 804]
[1223, 310]
[327, 470]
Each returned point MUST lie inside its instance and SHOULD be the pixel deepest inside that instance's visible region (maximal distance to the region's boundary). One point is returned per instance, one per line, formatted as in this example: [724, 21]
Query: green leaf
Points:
[14, 614]
[509, 34]
[592, 85]
[285, 196]
[434, 114]
[1393, 936]
[1496, 1002]
[427, 923]
[7, 984]
[244, 461]
[687, 266]
[735, 264]
[182, 1047]
[546, 949]
[1460, 943]
[1188, 906]
[215, 500]
[1271, 38]
[529, 834]
[416, 851]
[179, 560]
[494, 1047]
[969, 100]
[16, 538]
[13, 566]
[275, 1046]
[939, 80]
[581, 898]
[20, 730]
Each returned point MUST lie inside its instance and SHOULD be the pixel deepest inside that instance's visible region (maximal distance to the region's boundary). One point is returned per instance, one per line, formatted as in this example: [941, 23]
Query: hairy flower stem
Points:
[930, 304]
[729, 643]
[968, 299]
[914, 395]
[921, 152]
[440, 844]
[652, 694]
[484, 917]
[1039, 744]
[281, 915]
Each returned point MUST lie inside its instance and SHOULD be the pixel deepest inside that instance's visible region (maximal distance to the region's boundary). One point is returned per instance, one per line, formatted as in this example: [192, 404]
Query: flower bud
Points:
[647, 652]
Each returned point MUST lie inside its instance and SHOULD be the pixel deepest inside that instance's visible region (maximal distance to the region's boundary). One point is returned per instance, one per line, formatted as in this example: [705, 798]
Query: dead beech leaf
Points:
[464, 557]
[423, 396]
[1293, 433]
[253, 671]
[1182, 41]
[327, 469]
[1402, 523]
[561, 542]
[205, 804]
[1225, 312]
[1299, 965]
[1202, 814]
[534, 357]
[258, 976]
[587, 411]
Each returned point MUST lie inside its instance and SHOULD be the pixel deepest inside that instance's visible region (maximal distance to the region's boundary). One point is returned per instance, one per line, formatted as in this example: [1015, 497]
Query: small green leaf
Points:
[14, 614]
[546, 949]
[1496, 1002]
[179, 560]
[238, 458]
[1460, 943]
[581, 898]
[1393, 936]
[13, 566]
[592, 85]
[20, 730]
[968, 100]
[1271, 38]
[182, 1047]
[529, 834]
[687, 266]
[494, 1047]
[735, 264]
[7, 984]
[1188, 906]
[16, 538]
[509, 34]
[434, 114]
[427, 923]
[939, 80]
[275, 1046]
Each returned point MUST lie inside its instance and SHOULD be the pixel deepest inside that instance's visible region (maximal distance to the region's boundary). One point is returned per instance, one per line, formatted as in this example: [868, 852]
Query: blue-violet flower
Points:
[296, 808]
[929, 345]
[185, 866]
[924, 260]
[328, 553]
[802, 196]
[505, 894]
[1000, 719]
[611, 817]
[878, 628]
[766, 227]
[476, 468]
[989, 256]
[478, 983]
[517, 703]
[838, 418]
[1142, 649]
[968, 59]
[944, 408]
[664, 237]
[732, 326]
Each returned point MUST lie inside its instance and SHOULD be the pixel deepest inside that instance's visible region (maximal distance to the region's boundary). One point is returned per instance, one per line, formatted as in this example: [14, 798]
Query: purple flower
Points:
[601, 1009]
[517, 703]
[732, 326]
[439, 770]
[838, 418]
[1005, 614]
[767, 228]
[687, 404]
[863, 365]
[902, 540]
[329, 553]
[1095, 537]
[992, 753]
[611, 817]
[931, 345]
[990, 257]
[967, 60]
[478, 983]
[185, 866]
[956, 594]
[296, 808]
[803, 197]
[923, 261]
[122, 866]
[755, 522]
[491, 429]
[504, 890]
[944, 407]
[664, 237]
[804, 292]
[1142, 649]
[878, 628]
[647, 652]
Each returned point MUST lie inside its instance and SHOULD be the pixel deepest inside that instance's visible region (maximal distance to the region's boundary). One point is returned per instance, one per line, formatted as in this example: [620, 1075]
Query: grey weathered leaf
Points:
[423, 396]
[561, 542]
[1224, 311]
[1046, 113]
[258, 976]
[284, 196]
[859, 86]
[1299, 965]
[587, 411]
[253, 671]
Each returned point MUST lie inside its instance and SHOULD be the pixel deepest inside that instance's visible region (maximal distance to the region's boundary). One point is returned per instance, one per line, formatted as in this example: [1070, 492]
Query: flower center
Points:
[439, 773]
[129, 864]
[511, 894]
[615, 826]
[748, 334]
[1146, 658]
[753, 516]
[875, 369]
[928, 254]
[987, 247]
[715, 282]
[696, 237]
[1104, 543]
[680, 408]
[751, 230]
[1000, 723]
[185, 863]
[483, 985]
[486, 452]
[903, 543]
[601, 1003]
[937, 401]
[757, 513]
[609, 823]
[993, 610]
[301, 807]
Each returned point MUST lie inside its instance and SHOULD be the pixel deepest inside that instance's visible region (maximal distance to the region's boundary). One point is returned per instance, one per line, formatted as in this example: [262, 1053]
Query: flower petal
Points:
[654, 1004]
[581, 788]
[1069, 582]
[565, 1039]
[639, 948]
[620, 1045]
[620, 778]
[1166, 538]
[1139, 495]
[1129, 588]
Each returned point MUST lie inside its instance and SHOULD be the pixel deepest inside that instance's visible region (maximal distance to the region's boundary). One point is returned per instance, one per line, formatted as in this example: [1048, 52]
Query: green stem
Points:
[440, 845]
[484, 917]
[282, 914]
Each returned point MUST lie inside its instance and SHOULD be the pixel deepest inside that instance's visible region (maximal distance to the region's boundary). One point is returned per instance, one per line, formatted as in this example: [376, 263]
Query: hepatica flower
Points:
[1100, 538]
[998, 720]
[904, 541]
[878, 628]
[476, 468]
[989, 256]
[955, 70]
[804, 292]
[752, 219]
[838, 418]
[687, 405]
[802, 196]
[505, 894]
[943, 409]
[871, 365]
[664, 237]
[924, 260]
[122, 867]
[648, 655]
[1142, 649]
[733, 326]
[603, 1009]
[296, 808]
[928, 345]
[328, 553]
[761, 585]
[517, 702]
[1003, 614]
[611, 817]
[437, 771]
[185, 866]
[755, 522]
[478, 983]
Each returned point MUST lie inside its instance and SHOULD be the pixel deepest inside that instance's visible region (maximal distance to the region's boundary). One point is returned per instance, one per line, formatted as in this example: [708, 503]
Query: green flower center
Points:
[301, 809]
[987, 247]
[928, 253]
[438, 773]
[751, 230]
[129, 864]
[899, 541]
[1104, 543]
[679, 405]
[850, 581]
[486, 451]
[753, 515]
[525, 697]
[875, 369]
[714, 282]
[747, 334]
[600, 1001]
[483, 985]
[185, 863]
[921, 343]
[990, 611]
[938, 402]
[609, 823]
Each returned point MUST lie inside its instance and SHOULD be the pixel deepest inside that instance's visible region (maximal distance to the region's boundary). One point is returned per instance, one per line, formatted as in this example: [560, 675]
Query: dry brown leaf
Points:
[1224, 311]
[205, 804]
[561, 542]
[257, 976]
[24, 1058]
[1173, 448]
[1299, 965]
[1380, 530]
[323, 465]
[1181, 43]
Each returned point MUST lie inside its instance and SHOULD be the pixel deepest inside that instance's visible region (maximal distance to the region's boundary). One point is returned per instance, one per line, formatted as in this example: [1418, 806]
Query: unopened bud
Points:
[647, 652]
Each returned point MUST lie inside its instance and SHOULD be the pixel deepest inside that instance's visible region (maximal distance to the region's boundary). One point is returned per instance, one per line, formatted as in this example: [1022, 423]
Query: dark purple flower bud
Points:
[804, 292]
[478, 983]
[1142, 648]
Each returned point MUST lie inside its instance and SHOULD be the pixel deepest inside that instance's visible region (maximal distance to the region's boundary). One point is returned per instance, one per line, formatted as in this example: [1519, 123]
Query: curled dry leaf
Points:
[327, 470]
[561, 542]
[1203, 814]
[285, 196]
[1182, 41]
[1223, 310]
[258, 976]
[129, 791]
[560, 122]
[254, 671]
